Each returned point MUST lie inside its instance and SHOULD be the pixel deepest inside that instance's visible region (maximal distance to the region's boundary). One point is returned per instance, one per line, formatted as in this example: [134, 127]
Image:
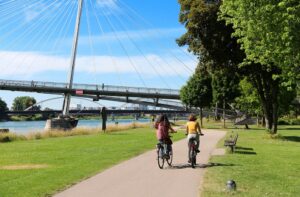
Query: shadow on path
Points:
[187, 165]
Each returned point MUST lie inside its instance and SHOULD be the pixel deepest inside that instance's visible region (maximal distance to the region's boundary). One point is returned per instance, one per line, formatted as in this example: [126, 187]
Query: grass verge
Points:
[262, 165]
[33, 168]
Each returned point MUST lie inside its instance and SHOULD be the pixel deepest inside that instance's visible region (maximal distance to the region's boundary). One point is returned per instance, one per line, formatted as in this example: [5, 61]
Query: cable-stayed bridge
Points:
[165, 98]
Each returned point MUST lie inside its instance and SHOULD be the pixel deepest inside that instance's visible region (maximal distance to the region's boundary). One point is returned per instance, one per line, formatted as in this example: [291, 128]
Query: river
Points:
[23, 127]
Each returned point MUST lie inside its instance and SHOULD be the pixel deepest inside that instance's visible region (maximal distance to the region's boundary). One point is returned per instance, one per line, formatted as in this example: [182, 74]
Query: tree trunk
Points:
[267, 89]
[263, 121]
[201, 117]
[224, 126]
[216, 112]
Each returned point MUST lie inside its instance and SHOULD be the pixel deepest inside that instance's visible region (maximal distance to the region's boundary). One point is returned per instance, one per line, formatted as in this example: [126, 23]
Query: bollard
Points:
[231, 185]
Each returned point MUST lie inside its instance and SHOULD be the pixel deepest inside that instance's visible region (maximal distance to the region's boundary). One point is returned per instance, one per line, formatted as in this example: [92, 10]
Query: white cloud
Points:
[33, 11]
[107, 3]
[20, 64]
[108, 6]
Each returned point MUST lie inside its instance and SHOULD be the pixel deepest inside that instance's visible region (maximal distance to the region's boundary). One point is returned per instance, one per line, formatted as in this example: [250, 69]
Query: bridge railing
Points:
[101, 87]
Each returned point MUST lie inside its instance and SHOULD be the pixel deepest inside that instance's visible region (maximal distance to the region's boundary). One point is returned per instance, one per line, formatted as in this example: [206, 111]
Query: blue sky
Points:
[120, 42]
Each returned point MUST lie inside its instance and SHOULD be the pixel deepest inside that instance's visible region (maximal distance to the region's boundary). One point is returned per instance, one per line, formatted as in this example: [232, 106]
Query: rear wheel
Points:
[194, 160]
[192, 156]
[160, 158]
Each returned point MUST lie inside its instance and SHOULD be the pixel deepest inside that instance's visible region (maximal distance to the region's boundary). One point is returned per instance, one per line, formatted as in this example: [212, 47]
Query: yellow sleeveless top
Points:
[192, 127]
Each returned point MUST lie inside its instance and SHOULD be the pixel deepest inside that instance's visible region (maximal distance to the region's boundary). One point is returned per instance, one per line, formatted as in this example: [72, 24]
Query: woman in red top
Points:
[163, 126]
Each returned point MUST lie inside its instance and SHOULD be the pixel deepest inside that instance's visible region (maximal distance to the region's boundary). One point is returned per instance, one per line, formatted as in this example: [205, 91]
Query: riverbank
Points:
[24, 127]
[37, 135]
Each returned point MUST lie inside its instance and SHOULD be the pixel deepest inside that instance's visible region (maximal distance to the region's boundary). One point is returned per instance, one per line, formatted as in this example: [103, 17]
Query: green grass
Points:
[261, 166]
[68, 159]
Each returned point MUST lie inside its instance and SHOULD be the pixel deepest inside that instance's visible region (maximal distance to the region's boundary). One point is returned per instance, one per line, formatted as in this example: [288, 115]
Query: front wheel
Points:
[160, 158]
[170, 159]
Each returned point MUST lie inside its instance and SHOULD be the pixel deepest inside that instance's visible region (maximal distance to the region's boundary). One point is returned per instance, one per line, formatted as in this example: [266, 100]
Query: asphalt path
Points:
[141, 177]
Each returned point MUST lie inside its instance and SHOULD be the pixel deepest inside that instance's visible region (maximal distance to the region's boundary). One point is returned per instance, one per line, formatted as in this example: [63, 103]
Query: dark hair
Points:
[192, 117]
[163, 118]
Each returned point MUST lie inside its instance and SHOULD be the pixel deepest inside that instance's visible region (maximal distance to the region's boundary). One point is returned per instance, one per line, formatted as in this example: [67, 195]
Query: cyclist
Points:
[193, 130]
[163, 127]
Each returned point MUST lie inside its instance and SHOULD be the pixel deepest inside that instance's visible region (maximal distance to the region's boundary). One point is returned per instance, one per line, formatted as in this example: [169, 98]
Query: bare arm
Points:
[172, 130]
[199, 129]
[186, 130]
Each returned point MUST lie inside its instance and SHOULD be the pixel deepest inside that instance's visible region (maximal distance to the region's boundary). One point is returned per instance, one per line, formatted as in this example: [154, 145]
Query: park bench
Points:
[231, 142]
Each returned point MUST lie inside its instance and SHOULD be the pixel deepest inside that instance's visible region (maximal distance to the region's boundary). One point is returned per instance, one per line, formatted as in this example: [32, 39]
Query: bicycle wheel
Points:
[170, 159]
[160, 158]
[194, 159]
[192, 156]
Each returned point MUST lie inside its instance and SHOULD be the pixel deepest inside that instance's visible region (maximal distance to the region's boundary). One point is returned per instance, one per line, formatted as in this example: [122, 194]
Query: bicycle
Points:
[164, 153]
[192, 151]
[192, 145]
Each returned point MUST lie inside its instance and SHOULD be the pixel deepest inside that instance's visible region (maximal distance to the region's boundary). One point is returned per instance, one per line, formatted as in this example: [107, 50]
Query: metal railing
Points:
[101, 87]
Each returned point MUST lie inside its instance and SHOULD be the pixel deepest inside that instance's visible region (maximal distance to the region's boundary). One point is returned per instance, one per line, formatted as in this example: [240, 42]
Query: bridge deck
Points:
[89, 89]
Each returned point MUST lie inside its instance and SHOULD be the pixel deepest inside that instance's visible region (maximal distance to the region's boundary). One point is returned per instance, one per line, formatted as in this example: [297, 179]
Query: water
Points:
[23, 127]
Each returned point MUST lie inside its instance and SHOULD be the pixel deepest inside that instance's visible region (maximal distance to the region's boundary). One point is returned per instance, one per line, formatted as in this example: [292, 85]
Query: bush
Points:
[284, 121]
[295, 122]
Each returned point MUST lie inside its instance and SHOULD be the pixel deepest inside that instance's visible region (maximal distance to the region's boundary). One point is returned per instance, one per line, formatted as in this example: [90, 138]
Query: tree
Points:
[211, 40]
[198, 91]
[225, 88]
[23, 102]
[3, 108]
[248, 101]
[268, 33]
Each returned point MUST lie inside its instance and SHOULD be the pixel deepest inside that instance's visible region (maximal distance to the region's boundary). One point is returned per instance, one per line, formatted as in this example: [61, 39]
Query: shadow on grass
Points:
[243, 148]
[187, 165]
[245, 152]
[292, 138]
[290, 128]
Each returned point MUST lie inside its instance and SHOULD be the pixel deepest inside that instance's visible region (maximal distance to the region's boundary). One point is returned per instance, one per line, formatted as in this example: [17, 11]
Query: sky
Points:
[121, 42]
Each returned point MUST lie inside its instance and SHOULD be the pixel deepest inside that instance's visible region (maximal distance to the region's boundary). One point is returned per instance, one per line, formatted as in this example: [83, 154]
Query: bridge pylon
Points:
[65, 121]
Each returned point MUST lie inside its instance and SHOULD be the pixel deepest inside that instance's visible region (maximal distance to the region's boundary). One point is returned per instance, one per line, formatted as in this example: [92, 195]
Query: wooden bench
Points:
[231, 142]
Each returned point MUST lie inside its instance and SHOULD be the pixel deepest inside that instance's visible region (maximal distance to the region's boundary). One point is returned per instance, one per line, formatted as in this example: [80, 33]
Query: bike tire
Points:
[160, 158]
[194, 160]
[192, 157]
[170, 160]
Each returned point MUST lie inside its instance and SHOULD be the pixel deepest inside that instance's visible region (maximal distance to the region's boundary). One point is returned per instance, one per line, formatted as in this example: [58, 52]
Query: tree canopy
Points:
[23, 102]
[198, 91]
[268, 31]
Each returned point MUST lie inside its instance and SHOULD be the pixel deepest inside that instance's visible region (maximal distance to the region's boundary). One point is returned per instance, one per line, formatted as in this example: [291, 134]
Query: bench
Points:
[231, 142]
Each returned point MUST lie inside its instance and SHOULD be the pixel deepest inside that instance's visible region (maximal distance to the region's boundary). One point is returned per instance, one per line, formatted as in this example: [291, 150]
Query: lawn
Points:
[261, 166]
[52, 164]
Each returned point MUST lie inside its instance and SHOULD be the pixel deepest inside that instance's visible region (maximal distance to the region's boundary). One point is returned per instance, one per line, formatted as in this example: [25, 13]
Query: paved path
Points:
[141, 177]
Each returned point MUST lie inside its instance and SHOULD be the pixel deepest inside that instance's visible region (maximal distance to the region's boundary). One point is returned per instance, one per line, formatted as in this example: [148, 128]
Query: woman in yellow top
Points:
[193, 130]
